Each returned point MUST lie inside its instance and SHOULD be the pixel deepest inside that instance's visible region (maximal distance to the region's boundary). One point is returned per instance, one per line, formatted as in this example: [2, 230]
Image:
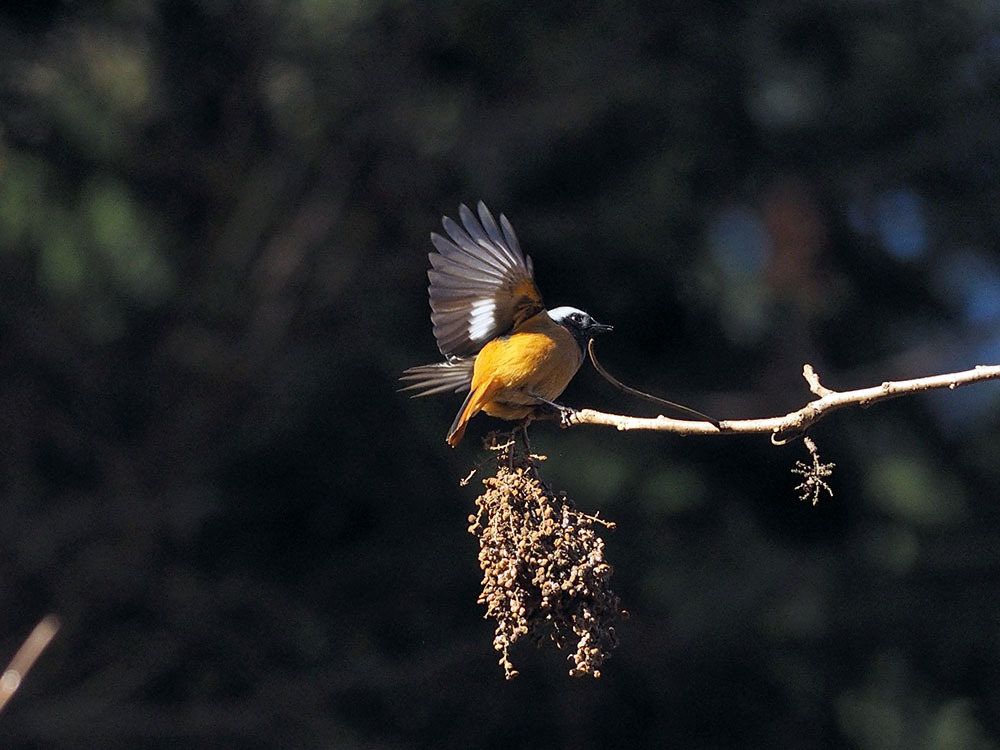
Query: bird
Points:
[501, 345]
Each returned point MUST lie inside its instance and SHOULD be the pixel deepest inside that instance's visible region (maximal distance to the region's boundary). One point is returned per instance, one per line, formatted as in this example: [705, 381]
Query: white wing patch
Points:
[481, 318]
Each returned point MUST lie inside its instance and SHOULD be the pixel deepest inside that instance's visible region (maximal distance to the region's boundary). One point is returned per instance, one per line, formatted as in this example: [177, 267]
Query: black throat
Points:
[579, 334]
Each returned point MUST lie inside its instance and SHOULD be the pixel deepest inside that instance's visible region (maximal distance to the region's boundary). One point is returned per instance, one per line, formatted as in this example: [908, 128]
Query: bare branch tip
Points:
[36, 642]
[812, 378]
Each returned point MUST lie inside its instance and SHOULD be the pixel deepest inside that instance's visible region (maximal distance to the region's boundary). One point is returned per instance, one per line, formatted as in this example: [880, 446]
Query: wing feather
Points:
[481, 284]
[473, 251]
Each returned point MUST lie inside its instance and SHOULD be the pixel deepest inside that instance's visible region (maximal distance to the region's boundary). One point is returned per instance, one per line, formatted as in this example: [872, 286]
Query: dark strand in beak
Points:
[635, 392]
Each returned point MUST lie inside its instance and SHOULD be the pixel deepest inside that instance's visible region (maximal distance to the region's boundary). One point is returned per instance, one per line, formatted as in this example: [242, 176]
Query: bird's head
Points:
[577, 322]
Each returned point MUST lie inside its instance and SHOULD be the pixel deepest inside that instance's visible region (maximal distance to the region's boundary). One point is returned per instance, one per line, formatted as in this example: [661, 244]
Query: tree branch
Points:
[26, 656]
[793, 424]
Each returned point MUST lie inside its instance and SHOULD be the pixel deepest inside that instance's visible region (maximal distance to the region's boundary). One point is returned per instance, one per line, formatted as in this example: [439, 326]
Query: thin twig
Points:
[25, 658]
[791, 425]
[812, 379]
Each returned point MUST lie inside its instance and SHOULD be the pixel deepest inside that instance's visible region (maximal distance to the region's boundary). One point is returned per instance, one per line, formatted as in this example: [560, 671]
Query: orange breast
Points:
[538, 360]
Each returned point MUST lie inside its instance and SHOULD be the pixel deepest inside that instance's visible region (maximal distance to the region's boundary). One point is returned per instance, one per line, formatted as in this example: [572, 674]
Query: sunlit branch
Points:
[791, 425]
[25, 658]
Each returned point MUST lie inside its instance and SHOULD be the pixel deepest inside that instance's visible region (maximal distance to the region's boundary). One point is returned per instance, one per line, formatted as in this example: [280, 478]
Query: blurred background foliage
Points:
[213, 227]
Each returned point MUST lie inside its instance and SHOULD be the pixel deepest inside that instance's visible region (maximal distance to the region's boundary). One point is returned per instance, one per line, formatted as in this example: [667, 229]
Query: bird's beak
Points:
[596, 327]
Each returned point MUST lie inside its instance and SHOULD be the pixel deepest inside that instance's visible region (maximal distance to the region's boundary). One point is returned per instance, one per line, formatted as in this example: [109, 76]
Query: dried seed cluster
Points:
[544, 572]
[814, 476]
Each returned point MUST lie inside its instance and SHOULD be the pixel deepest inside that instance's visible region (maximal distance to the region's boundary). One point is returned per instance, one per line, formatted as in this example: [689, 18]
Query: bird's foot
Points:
[566, 414]
[546, 409]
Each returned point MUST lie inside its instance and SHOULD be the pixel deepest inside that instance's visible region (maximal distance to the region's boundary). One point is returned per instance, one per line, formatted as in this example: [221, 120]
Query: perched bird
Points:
[500, 344]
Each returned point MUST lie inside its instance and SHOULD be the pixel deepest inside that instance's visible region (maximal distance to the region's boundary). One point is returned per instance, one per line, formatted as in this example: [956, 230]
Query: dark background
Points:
[214, 222]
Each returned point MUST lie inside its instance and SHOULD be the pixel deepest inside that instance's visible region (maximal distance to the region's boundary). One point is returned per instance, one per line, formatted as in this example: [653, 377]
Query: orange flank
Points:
[538, 360]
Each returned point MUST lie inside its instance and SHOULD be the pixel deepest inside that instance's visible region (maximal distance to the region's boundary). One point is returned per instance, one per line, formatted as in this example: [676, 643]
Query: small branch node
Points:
[813, 380]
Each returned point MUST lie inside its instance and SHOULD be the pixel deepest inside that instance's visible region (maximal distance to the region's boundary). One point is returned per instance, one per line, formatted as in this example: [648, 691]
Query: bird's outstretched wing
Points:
[482, 285]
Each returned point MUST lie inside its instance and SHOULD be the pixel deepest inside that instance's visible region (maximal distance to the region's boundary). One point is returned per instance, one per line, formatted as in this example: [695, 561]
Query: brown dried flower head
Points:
[544, 572]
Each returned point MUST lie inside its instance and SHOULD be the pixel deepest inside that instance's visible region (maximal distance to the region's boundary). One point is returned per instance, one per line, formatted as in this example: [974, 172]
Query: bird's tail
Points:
[457, 429]
[473, 404]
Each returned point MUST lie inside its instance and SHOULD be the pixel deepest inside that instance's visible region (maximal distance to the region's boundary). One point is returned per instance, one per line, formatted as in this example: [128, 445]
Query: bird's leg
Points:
[555, 411]
[523, 427]
[530, 457]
